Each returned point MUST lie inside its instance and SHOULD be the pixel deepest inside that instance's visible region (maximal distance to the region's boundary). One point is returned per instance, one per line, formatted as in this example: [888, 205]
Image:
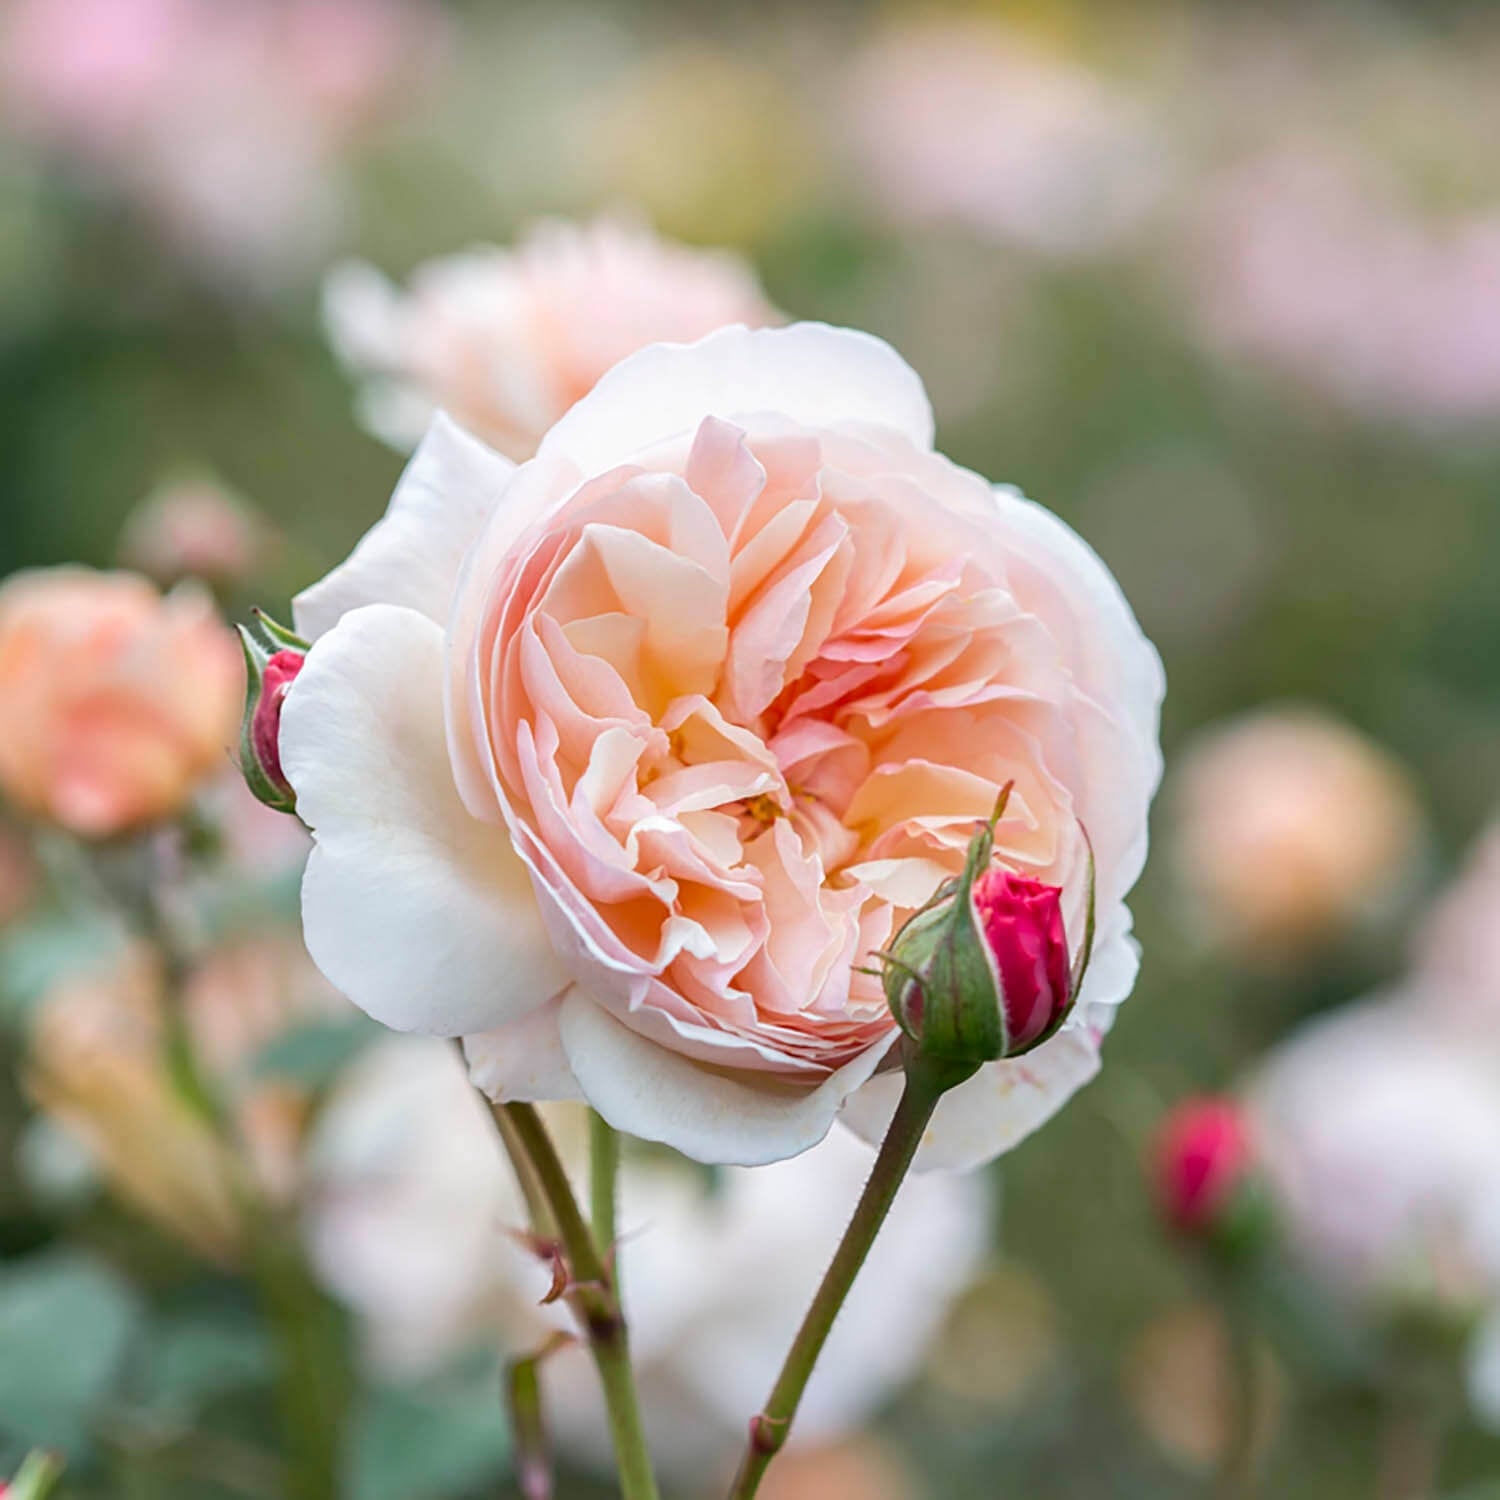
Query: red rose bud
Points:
[1203, 1161]
[983, 972]
[273, 658]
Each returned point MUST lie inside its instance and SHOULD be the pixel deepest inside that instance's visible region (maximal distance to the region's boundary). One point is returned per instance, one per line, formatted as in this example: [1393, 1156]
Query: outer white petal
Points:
[816, 375]
[411, 556]
[422, 916]
[1116, 667]
[705, 1113]
[522, 1060]
[995, 1110]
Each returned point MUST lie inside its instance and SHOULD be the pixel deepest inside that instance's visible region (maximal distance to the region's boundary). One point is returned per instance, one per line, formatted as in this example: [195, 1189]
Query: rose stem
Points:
[592, 1294]
[769, 1430]
[604, 1169]
[313, 1381]
[1235, 1479]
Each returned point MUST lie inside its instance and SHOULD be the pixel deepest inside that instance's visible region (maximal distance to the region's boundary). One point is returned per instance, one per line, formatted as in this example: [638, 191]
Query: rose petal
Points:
[994, 1111]
[411, 556]
[522, 1060]
[706, 1114]
[816, 375]
[421, 915]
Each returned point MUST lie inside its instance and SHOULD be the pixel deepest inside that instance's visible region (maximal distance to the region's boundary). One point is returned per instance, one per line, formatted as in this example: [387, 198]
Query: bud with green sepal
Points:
[273, 658]
[982, 972]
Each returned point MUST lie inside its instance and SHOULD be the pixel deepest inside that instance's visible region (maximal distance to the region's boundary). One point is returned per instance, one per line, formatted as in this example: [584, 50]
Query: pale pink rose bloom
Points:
[622, 763]
[194, 527]
[118, 701]
[98, 1067]
[412, 1219]
[505, 341]
[970, 122]
[1289, 829]
[1381, 1141]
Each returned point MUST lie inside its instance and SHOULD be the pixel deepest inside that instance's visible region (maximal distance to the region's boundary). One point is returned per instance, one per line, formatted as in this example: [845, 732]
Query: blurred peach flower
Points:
[410, 1215]
[733, 667]
[1176, 1381]
[98, 1068]
[118, 701]
[860, 1469]
[969, 122]
[1289, 828]
[194, 527]
[505, 341]
[18, 874]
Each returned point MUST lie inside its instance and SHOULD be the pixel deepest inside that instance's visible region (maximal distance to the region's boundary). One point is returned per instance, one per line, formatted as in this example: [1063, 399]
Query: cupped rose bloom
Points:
[1380, 1141]
[506, 341]
[1290, 829]
[118, 701]
[624, 763]
[413, 1215]
[98, 1067]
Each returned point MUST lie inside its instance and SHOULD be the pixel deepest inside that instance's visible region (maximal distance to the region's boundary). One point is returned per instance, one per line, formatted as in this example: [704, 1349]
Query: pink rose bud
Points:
[273, 658]
[1203, 1162]
[983, 971]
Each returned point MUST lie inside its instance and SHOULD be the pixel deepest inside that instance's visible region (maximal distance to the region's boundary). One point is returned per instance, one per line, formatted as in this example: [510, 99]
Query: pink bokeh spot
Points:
[1203, 1153]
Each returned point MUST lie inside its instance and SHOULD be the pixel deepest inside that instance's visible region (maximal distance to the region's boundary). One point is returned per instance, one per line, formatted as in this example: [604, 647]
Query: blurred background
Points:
[1219, 284]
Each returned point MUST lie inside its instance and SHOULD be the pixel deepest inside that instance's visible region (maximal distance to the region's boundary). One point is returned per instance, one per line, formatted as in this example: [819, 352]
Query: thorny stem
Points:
[769, 1430]
[591, 1294]
[604, 1170]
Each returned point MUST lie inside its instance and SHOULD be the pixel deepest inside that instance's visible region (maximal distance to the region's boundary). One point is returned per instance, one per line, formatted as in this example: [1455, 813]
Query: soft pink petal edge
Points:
[708, 1114]
[1002, 1104]
[815, 374]
[422, 916]
[412, 555]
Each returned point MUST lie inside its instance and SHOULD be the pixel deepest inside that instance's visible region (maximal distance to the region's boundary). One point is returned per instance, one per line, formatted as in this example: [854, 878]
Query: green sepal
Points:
[259, 645]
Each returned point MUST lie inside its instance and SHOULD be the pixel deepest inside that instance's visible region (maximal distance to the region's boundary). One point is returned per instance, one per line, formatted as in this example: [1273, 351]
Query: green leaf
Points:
[312, 1056]
[199, 1355]
[66, 1323]
[446, 1437]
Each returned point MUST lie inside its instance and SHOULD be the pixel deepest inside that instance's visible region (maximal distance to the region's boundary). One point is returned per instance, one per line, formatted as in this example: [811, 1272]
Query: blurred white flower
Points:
[1290, 829]
[1381, 1141]
[410, 1222]
[969, 122]
[507, 340]
[1457, 948]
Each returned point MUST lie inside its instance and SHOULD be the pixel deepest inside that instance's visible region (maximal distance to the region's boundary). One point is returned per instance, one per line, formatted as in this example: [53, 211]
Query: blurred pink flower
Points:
[969, 122]
[506, 341]
[194, 527]
[1310, 262]
[223, 120]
